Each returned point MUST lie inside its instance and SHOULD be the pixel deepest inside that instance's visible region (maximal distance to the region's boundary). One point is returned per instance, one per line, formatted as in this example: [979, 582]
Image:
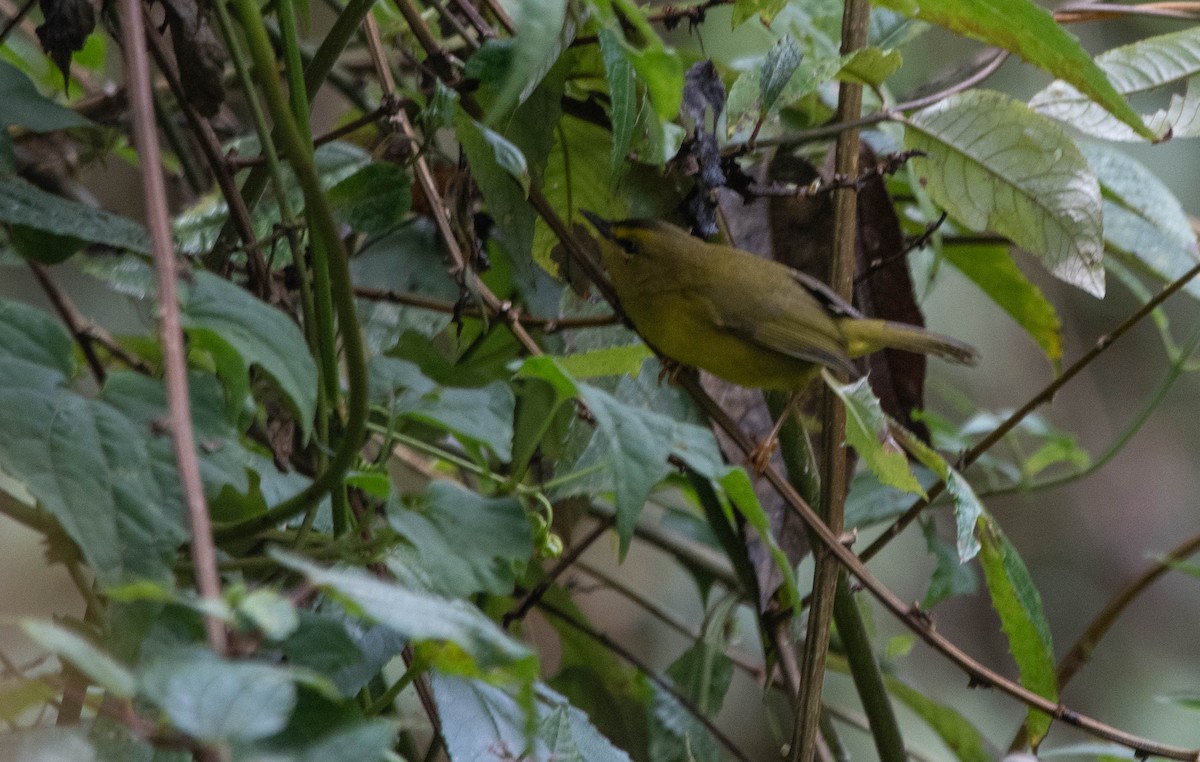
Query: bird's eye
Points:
[628, 245]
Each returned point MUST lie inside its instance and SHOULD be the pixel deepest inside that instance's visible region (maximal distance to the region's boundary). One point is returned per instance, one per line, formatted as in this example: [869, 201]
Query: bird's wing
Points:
[771, 327]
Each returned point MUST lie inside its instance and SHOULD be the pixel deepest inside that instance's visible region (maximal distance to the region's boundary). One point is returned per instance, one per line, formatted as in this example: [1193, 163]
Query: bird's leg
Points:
[670, 371]
[760, 457]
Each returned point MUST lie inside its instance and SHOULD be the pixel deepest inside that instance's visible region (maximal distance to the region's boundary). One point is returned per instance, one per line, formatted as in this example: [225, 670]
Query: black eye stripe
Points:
[628, 245]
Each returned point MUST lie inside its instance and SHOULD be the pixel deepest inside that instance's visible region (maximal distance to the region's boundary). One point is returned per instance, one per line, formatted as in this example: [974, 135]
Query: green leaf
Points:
[737, 487]
[868, 432]
[967, 507]
[765, 10]
[1141, 67]
[43, 247]
[1021, 27]
[18, 697]
[99, 667]
[661, 70]
[608, 361]
[1144, 224]
[47, 744]
[992, 269]
[870, 66]
[577, 178]
[217, 313]
[483, 415]
[622, 93]
[995, 165]
[374, 200]
[271, 613]
[544, 29]
[503, 177]
[23, 204]
[85, 462]
[1019, 605]
[212, 699]
[950, 576]
[464, 542]
[955, 730]
[639, 441]
[675, 733]
[468, 642]
[780, 64]
[21, 104]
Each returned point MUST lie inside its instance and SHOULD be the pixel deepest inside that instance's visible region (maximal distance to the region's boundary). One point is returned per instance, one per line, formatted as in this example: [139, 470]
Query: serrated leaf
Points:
[1139, 67]
[213, 699]
[967, 507]
[1144, 224]
[867, 431]
[737, 487]
[950, 576]
[995, 165]
[1019, 605]
[85, 462]
[217, 312]
[1021, 27]
[778, 67]
[622, 93]
[483, 414]
[23, 204]
[992, 269]
[374, 200]
[477, 645]
[100, 668]
[466, 543]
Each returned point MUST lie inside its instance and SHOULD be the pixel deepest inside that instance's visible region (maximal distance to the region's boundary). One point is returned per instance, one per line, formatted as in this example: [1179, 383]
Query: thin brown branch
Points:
[137, 73]
[664, 684]
[531, 599]
[1045, 395]
[72, 318]
[15, 19]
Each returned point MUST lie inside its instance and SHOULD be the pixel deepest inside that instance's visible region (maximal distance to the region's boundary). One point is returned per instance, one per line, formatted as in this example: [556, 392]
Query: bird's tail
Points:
[866, 336]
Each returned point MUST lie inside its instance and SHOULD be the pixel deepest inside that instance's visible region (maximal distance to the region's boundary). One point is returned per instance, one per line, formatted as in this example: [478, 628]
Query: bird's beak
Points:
[603, 226]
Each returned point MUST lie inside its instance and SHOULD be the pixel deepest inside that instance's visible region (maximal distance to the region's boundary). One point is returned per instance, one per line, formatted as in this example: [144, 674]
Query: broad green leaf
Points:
[85, 462]
[995, 165]
[21, 104]
[504, 188]
[780, 64]
[271, 613]
[482, 415]
[867, 431]
[23, 204]
[675, 733]
[542, 390]
[1022, 27]
[870, 66]
[609, 361]
[661, 70]
[703, 674]
[43, 247]
[362, 741]
[622, 93]
[1141, 67]
[468, 642]
[577, 178]
[212, 699]
[639, 441]
[464, 542]
[100, 668]
[992, 269]
[544, 29]
[1019, 605]
[765, 10]
[374, 200]
[1144, 224]
[217, 313]
[955, 730]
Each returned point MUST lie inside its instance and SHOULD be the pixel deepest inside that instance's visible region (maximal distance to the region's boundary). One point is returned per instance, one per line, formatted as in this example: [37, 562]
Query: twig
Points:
[137, 68]
[74, 321]
[531, 599]
[15, 19]
[546, 325]
[650, 674]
